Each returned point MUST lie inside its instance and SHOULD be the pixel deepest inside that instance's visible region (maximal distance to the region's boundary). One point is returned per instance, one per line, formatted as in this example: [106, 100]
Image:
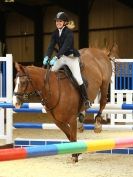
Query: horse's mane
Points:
[34, 67]
[37, 68]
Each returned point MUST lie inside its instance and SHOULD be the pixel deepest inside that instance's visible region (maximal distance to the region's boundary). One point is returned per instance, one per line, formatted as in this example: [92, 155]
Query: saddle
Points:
[66, 72]
[69, 75]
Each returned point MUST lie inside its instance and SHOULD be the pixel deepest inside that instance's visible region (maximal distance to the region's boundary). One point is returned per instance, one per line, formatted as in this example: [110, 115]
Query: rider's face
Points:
[60, 24]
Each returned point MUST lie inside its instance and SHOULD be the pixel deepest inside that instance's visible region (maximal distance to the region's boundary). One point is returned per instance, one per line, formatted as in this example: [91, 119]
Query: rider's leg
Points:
[84, 95]
[73, 64]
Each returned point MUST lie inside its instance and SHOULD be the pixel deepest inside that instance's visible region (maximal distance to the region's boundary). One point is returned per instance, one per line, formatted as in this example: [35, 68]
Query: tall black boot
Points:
[84, 96]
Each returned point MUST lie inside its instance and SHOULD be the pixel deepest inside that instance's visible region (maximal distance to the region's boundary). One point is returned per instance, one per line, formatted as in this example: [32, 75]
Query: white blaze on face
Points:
[16, 90]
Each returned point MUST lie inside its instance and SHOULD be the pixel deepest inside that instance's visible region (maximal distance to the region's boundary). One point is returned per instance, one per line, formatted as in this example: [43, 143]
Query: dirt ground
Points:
[89, 165]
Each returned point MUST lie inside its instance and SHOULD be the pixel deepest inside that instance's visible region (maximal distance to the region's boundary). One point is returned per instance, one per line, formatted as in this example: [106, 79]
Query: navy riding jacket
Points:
[65, 43]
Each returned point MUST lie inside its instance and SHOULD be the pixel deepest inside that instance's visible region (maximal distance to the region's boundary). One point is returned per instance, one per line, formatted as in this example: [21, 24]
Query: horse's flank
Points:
[98, 70]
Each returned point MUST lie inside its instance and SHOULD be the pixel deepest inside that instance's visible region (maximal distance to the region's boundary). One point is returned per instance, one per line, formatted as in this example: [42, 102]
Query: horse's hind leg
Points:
[103, 101]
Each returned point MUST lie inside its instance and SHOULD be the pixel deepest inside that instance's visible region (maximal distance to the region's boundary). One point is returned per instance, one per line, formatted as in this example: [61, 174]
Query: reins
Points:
[46, 80]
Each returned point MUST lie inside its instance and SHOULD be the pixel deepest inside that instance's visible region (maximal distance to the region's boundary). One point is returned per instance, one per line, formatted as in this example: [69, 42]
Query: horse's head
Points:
[23, 86]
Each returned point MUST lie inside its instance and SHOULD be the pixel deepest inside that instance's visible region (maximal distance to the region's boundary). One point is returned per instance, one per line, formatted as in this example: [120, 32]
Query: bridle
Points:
[25, 95]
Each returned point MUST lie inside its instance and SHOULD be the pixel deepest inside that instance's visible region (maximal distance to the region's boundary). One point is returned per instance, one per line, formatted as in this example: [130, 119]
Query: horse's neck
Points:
[42, 77]
[37, 75]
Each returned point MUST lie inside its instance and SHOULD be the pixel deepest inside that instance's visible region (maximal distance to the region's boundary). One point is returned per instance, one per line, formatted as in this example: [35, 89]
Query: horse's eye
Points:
[23, 83]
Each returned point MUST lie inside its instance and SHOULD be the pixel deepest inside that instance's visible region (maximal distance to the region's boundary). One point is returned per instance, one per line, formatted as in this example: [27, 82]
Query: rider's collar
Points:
[60, 30]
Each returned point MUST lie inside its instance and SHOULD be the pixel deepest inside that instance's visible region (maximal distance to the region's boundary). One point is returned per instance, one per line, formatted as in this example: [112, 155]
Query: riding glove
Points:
[54, 59]
[45, 60]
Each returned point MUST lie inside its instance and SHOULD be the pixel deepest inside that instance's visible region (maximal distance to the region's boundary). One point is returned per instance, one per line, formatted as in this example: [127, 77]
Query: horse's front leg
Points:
[70, 130]
[73, 135]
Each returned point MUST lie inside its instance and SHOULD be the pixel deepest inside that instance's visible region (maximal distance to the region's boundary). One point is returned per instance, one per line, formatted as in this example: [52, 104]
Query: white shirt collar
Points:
[60, 30]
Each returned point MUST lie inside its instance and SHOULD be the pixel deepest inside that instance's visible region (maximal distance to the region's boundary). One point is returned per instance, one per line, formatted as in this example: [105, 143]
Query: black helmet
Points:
[61, 16]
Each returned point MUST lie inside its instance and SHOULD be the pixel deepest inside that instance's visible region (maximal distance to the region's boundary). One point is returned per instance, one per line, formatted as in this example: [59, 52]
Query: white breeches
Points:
[72, 63]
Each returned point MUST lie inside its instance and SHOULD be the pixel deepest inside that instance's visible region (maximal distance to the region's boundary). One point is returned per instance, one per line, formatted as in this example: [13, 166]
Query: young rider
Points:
[66, 55]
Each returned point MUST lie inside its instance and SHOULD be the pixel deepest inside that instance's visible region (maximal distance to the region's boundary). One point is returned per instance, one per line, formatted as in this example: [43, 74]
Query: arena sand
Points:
[89, 165]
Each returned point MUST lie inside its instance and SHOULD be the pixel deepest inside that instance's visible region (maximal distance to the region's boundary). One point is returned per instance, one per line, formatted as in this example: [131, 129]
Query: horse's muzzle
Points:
[17, 102]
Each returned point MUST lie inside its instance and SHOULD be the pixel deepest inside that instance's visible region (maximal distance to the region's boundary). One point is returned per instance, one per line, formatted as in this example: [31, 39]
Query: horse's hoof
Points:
[98, 128]
[80, 127]
[80, 130]
[74, 159]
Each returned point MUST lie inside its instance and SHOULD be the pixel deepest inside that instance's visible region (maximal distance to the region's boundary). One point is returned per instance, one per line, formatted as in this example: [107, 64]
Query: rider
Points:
[66, 55]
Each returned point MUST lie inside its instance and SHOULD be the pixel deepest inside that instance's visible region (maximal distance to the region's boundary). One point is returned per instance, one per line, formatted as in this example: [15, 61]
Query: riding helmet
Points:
[61, 16]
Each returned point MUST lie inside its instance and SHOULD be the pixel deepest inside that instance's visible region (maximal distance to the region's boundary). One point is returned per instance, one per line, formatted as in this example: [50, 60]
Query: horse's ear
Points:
[19, 67]
[16, 66]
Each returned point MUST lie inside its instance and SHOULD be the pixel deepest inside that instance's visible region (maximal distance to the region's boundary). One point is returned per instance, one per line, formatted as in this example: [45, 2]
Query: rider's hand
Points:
[54, 59]
[45, 60]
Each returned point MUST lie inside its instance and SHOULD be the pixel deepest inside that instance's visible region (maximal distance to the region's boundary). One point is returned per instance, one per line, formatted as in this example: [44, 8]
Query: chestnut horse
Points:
[59, 95]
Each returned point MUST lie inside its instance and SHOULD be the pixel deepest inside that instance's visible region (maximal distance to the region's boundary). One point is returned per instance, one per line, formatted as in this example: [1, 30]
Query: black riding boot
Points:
[84, 96]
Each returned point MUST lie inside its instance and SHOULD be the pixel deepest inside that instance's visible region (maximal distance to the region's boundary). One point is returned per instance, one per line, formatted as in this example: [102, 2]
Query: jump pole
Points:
[38, 108]
[89, 111]
[65, 148]
[21, 142]
[94, 106]
[50, 126]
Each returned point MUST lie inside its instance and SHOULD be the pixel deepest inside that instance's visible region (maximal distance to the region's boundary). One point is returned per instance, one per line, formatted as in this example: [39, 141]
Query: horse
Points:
[59, 96]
